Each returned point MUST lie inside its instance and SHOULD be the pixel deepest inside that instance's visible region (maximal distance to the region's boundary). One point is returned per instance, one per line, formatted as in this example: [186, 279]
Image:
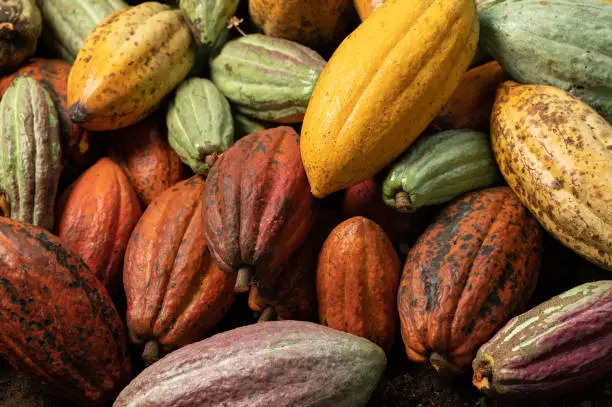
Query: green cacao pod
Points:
[267, 78]
[200, 124]
[30, 153]
[208, 19]
[244, 125]
[20, 27]
[440, 167]
[570, 51]
[68, 22]
[562, 344]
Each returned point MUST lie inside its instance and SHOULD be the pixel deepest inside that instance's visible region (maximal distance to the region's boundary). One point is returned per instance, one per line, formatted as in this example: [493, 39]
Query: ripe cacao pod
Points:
[127, 64]
[144, 154]
[256, 365]
[57, 323]
[556, 154]
[365, 7]
[175, 292]
[96, 217]
[200, 124]
[438, 168]
[357, 280]
[31, 153]
[473, 268]
[267, 78]
[20, 27]
[360, 119]
[257, 204]
[208, 19]
[560, 345]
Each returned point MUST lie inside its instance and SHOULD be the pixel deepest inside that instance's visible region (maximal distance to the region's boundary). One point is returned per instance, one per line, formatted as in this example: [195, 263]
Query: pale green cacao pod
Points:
[20, 27]
[440, 167]
[267, 78]
[30, 153]
[244, 125]
[208, 19]
[200, 124]
[68, 22]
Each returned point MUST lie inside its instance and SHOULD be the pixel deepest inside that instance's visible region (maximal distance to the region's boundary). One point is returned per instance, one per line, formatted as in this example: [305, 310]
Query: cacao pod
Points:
[127, 64]
[30, 152]
[175, 292]
[244, 125]
[57, 323]
[365, 7]
[144, 154]
[255, 365]
[562, 344]
[473, 268]
[258, 207]
[440, 167]
[200, 124]
[357, 280]
[556, 154]
[96, 217]
[20, 27]
[267, 78]
[208, 19]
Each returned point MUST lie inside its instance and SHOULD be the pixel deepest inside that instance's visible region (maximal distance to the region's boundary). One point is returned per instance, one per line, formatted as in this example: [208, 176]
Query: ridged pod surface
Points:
[200, 124]
[471, 104]
[79, 149]
[556, 153]
[208, 19]
[69, 22]
[366, 7]
[359, 120]
[30, 153]
[439, 168]
[144, 154]
[357, 279]
[257, 204]
[20, 26]
[280, 363]
[473, 268]
[267, 78]
[314, 23]
[175, 292]
[562, 344]
[96, 217]
[570, 51]
[127, 64]
[57, 323]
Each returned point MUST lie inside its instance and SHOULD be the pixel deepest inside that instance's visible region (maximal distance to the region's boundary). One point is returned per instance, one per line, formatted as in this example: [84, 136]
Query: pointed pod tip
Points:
[78, 113]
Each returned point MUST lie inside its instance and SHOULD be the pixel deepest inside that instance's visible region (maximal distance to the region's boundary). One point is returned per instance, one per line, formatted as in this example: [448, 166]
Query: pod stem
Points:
[151, 352]
[403, 203]
[268, 314]
[483, 375]
[243, 280]
[234, 22]
[211, 159]
[442, 365]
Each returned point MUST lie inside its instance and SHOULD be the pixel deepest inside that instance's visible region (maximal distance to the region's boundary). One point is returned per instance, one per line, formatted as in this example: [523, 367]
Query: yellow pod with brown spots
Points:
[127, 64]
[555, 151]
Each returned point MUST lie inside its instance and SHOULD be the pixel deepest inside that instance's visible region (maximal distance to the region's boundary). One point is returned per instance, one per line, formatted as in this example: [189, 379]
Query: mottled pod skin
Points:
[473, 268]
[208, 19]
[357, 280]
[555, 152]
[69, 22]
[278, 363]
[79, 150]
[144, 154]
[471, 104]
[200, 124]
[562, 344]
[257, 203]
[97, 214]
[30, 152]
[175, 292]
[267, 78]
[57, 323]
[127, 64]
[314, 23]
[20, 26]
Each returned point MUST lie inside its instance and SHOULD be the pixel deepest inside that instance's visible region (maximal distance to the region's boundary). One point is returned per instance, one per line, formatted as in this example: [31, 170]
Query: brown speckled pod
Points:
[473, 268]
[57, 323]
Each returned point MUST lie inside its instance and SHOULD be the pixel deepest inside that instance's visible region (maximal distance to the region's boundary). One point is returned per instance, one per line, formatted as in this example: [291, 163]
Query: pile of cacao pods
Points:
[351, 170]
